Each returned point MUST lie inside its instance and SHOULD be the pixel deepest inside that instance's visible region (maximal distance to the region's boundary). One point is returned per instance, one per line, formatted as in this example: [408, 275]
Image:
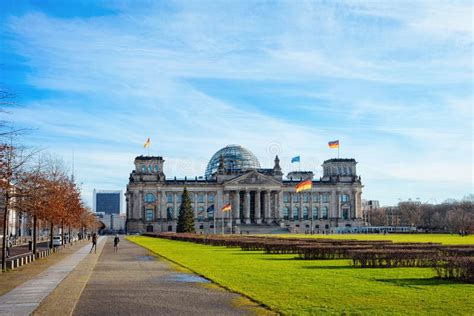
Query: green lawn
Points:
[298, 287]
[441, 238]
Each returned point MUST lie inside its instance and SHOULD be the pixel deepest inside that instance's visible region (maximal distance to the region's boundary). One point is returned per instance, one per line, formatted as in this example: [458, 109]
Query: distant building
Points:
[108, 202]
[112, 222]
[367, 207]
[259, 197]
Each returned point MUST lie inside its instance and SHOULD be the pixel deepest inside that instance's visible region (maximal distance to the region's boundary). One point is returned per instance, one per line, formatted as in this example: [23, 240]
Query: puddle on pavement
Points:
[145, 258]
[186, 278]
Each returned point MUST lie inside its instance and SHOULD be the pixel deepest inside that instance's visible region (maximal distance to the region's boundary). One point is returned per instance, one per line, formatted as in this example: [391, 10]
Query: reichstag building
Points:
[262, 199]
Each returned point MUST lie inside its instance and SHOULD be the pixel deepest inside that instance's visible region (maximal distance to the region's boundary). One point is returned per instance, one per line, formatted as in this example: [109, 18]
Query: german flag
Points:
[334, 144]
[305, 185]
[147, 143]
[226, 208]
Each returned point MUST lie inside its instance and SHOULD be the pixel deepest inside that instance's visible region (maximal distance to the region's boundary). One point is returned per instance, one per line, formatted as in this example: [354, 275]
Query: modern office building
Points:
[108, 202]
[258, 196]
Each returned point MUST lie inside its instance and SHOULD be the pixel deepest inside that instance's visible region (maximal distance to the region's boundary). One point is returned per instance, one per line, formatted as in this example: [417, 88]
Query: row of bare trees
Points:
[450, 216]
[38, 187]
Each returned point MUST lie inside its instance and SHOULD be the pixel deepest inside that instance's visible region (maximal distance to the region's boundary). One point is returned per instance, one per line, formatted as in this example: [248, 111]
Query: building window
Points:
[296, 213]
[149, 215]
[150, 168]
[169, 213]
[316, 197]
[210, 198]
[296, 197]
[149, 198]
[325, 197]
[179, 198]
[169, 198]
[305, 213]
[191, 197]
[201, 198]
[210, 212]
[305, 197]
[345, 213]
[143, 168]
[286, 198]
[200, 214]
[344, 198]
[157, 168]
[286, 213]
[315, 212]
[325, 212]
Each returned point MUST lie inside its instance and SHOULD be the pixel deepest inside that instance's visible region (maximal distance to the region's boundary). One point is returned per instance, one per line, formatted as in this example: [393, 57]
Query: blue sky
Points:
[392, 80]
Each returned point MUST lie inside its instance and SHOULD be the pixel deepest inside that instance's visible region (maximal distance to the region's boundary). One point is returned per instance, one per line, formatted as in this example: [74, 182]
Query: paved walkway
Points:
[24, 299]
[135, 282]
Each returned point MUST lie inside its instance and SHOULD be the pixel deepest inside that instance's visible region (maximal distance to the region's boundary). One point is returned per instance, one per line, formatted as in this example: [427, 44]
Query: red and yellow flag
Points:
[147, 143]
[226, 208]
[334, 144]
[305, 185]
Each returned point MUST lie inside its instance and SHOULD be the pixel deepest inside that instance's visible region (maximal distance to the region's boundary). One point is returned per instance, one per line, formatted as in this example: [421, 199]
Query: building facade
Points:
[107, 201]
[258, 196]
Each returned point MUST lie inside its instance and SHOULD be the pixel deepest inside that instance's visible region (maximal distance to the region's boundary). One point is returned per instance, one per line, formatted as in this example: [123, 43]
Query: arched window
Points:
[210, 198]
[316, 197]
[344, 198]
[200, 214]
[286, 213]
[169, 213]
[325, 212]
[169, 198]
[305, 213]
[150, 168]
[315, 213]
[296, 213]
[149, 198]
[345, 213]
[143, 168]
[286, 198]
[179, 198]
[157, 168]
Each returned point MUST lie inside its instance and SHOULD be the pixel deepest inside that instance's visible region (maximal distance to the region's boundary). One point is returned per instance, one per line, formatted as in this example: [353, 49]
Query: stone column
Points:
[219, 203]
[247, 207]
[280, 205]
[228, 214]
[258, 209]
[310, 212]
[300, 215]
[268, 204]
[290, 214]
[237, 208]
[163, 205]
[195, 204]
[333, 209]
[205, 206]
[320, 210]
[358, 204]
[175, 205]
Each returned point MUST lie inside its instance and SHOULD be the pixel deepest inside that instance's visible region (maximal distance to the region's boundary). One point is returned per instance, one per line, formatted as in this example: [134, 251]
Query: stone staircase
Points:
[245, 229]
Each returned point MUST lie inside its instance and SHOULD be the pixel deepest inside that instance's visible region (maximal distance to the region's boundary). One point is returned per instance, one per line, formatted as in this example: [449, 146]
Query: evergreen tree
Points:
[186, 215]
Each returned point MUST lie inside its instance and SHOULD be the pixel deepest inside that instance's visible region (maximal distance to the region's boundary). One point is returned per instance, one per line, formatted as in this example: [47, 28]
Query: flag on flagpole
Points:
[147, 143]
[226, 208]
[305, 185]
[295, 159]
[334, 144]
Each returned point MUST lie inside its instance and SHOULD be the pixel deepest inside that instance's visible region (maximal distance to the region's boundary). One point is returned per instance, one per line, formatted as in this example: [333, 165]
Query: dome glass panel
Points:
[236, 159]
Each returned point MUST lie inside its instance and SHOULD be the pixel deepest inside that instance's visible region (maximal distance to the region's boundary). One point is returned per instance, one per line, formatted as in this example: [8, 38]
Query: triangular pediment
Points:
[253, 178]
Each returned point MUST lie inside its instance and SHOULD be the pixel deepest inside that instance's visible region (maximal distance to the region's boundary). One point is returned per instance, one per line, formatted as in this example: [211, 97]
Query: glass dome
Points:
[236, 158]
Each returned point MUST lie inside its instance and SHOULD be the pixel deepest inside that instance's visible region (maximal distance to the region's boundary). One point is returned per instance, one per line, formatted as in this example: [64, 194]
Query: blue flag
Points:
[295, 159]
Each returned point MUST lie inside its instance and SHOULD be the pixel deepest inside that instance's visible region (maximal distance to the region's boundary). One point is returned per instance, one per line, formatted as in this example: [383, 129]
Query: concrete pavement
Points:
[134, 282]
[24, 299]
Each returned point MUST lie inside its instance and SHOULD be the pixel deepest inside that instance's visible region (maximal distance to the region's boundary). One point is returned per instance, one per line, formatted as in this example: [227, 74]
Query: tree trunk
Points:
[51, 233]
[35, 232]
[62, 234]
[69, 232]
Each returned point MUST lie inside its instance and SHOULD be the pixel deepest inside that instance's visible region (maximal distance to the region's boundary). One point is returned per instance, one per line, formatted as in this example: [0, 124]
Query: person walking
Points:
[94, 243]
[116, 243]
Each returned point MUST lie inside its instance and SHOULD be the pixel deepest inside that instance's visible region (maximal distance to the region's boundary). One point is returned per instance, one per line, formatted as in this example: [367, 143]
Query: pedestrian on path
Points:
[116, 243]
[94, 243]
